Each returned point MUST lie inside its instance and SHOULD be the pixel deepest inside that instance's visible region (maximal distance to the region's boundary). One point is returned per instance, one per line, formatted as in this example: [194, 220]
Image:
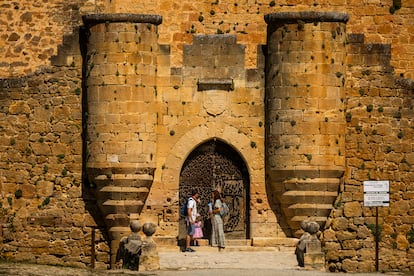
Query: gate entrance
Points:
[215, 165]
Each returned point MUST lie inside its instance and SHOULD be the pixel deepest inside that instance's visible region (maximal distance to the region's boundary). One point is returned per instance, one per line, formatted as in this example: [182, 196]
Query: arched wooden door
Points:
[216, 165]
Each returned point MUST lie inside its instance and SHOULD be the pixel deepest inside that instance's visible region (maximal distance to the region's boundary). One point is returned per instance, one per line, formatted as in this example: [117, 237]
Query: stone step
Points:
[329, 187]
[312, 184]
[113, 220]
[120, 206]
[123, 220]
[120, 181]
[310, 206]
[313, 218]
[122, 189]
[310, 193]
[239, 242]
[111, 202]
[308, 197]
[274, 242]
[122, 193]
[311, 209]
[117, 232]
[296, 221]
[166, 244]
[229, 248]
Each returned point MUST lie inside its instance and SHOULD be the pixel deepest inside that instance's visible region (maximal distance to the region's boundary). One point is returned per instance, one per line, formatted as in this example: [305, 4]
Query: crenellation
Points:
[310, 103]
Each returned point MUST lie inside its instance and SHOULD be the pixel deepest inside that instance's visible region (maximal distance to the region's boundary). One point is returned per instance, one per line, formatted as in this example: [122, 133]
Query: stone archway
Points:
[216, 165]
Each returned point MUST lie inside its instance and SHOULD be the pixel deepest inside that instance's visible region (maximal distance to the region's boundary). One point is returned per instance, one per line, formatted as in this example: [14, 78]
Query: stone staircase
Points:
[168, 244]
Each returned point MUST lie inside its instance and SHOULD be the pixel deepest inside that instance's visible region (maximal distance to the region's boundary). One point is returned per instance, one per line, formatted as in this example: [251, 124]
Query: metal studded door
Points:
[215, 165]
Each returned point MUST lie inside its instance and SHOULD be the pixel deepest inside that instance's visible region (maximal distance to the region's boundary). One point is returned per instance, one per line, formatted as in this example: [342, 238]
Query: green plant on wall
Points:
[60, 156]
[64, 172]
[45, 202]
[301, 25]
[18, 194]
[373, 229]
[348, 117]
[396, 5]
[410, 236]
[10, 222]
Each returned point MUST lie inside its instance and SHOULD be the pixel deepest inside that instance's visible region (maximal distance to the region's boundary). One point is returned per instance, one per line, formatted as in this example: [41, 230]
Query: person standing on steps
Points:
[198, 231]
[217, 229]
[191, 219]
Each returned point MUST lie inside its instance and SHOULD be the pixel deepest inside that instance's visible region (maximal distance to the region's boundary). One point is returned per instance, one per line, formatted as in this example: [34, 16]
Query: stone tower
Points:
[120, 75]
[305, 128]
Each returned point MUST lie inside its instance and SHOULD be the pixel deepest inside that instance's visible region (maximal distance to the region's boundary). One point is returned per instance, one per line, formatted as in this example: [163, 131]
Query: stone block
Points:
[315, 260]
[19, 107]
[44, 188]
[313, 247]
[345, 235]
[352, 209]
[274, 242]
[127, 37]
[349, 265]
[25, 257]
[28, 190]
[115, 147]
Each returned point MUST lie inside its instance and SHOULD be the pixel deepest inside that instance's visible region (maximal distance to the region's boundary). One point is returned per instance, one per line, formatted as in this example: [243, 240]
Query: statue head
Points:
[135, 226]
[149, 228]
[313, 227]
[304, 225]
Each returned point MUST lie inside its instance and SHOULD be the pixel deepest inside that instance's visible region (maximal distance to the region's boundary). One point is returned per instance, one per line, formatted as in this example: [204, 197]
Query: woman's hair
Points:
[216, 195]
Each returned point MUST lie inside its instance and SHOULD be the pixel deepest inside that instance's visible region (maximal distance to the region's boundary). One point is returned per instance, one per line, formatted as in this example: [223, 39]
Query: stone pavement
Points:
[204, 262]
[230, 262]
[206, 259]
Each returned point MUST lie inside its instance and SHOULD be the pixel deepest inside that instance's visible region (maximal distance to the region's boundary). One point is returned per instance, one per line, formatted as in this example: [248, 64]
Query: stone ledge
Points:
[307, 16]
[274, 242]
[215, 84]
[92, 19]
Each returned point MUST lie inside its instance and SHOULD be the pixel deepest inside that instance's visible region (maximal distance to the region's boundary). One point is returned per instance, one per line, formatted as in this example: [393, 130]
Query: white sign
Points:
[377, 193]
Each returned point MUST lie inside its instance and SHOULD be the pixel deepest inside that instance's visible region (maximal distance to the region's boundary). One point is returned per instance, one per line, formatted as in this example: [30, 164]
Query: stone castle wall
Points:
[49, 21]
[378, 147]
[49, 211]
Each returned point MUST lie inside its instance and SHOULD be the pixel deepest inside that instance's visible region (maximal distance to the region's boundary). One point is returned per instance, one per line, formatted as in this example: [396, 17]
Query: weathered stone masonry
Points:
[84, 112]
[305, 125]
[120, 80]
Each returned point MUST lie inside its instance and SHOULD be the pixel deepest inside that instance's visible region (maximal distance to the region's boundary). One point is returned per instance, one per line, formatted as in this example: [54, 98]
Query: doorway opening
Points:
[216, 165]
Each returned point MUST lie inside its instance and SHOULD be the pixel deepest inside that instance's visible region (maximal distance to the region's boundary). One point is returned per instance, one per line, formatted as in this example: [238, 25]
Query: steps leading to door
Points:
[165, 244]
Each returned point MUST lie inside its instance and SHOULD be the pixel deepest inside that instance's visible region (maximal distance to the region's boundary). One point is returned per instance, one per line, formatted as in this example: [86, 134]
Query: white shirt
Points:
[191, 203]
